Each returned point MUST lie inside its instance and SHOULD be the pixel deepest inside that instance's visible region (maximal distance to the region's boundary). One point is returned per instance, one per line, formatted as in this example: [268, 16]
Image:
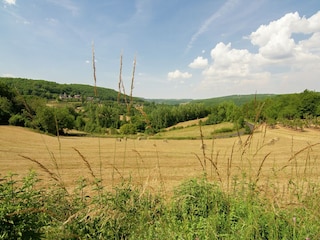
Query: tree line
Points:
[293, 110]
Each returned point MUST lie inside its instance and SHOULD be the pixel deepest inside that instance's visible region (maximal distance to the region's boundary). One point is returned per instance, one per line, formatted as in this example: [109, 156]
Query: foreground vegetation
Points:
[198, 209]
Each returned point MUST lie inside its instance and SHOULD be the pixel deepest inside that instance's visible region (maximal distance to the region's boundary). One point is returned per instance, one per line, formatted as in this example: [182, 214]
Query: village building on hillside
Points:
[66, 96]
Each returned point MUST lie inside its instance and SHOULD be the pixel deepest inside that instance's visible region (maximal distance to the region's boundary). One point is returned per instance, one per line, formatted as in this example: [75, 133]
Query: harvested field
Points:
[268, 156]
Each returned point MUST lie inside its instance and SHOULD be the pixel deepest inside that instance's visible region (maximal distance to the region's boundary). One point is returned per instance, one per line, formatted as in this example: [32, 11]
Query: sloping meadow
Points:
[258, 186]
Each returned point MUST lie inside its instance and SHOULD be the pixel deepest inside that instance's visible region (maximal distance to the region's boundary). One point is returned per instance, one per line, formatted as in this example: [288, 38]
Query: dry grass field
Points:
[271, 157]
[190, 130]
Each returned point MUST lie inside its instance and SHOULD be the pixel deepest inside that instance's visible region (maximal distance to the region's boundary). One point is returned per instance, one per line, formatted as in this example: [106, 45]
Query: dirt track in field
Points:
[280, 154]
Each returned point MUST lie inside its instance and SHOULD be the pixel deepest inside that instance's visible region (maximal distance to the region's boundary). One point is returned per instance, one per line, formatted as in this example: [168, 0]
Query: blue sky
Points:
[184, 48]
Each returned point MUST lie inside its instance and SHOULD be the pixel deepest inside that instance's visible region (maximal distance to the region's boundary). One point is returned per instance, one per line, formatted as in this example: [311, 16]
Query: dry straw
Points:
[132, 84]
[85, 162]
[120, 80]
[94, 70]
[53, 175]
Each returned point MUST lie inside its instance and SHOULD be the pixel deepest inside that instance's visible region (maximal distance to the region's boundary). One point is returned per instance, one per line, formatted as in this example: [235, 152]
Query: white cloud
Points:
[178, 75]
[8, 75]
[10, 2]
[199, 62]
[280, 63]
[311, 45]
[275, 40]
[228, 62]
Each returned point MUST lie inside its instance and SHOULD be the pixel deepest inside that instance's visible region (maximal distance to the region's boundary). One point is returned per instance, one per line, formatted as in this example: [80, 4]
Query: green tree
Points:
[7, 103]
[64, 119]
[139, 122]
[5, 110]
[80, 123]
[308, 104]
[161, 117]
[54, 120]
[45, 120]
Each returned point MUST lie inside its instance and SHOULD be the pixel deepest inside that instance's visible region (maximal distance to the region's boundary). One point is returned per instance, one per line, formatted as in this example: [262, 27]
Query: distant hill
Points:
[170, 101]
[237, 99]
[52, 90]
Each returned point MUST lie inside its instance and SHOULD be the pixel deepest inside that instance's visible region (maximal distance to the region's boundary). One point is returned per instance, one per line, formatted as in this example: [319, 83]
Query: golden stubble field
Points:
[272, 157]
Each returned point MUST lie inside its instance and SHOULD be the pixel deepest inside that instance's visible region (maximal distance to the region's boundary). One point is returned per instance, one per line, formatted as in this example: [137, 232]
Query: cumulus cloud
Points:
[311, 44]
[199, 62]
[275, 41]
[229, 63]
[177, 74]
[280, 59]
[10, 2]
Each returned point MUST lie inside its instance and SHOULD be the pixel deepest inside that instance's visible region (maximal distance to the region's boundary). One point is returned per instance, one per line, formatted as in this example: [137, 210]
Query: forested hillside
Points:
[237, 99]
[55, 108]
[52, 90]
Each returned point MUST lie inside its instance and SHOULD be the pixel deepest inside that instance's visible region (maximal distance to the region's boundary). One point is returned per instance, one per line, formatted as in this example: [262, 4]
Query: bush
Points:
[128, 128]
[22, 214]
[17, 120]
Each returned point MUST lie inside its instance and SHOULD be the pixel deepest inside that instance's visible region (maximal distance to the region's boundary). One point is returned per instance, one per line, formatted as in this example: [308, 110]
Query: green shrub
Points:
[17, 120]
[22, 211]
[128, 128]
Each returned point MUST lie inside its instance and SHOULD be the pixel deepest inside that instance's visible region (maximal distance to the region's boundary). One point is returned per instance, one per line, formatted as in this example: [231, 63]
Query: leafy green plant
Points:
[22, 211]
[128, 128]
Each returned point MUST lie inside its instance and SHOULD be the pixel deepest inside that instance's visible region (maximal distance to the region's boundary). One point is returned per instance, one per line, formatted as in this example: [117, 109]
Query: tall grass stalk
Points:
[260, 167]
[53, 159]
[203, 147]
[138, 156]
[293, 157]
[211, 156]
[124, 156]
[163, 188]
[114, 161]
[132, 85]
[100, 162]
[86, 163]
[94, 70]
[52, 175]
[120, 80]
[229, 167]
[203, 163]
